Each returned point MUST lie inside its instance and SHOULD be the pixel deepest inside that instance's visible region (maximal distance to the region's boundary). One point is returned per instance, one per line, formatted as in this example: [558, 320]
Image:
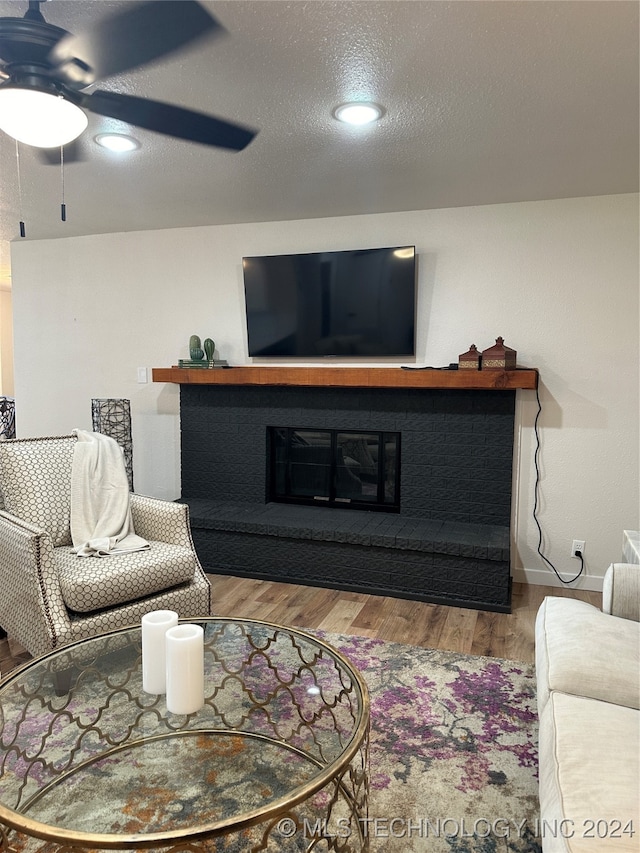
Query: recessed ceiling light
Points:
[117, 141]
[358, 112]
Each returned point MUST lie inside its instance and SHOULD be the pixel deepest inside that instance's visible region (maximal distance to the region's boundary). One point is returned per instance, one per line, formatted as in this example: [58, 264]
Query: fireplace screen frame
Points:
[285, 459]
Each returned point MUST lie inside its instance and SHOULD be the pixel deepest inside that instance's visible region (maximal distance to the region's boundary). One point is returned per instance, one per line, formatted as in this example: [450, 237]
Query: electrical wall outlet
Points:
[578, 545]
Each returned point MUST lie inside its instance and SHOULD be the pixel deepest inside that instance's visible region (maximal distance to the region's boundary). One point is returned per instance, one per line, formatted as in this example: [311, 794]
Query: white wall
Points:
[557, 279]
[6, 342]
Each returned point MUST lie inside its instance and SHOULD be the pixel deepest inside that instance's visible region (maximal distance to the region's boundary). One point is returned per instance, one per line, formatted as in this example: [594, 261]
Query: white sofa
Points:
[588, 683]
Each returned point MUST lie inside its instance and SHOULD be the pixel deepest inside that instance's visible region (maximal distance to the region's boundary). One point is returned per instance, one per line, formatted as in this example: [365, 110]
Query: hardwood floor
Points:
[475, 632]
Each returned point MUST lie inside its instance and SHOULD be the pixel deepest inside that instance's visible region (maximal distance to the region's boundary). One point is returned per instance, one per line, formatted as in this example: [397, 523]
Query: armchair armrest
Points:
[161, 521]
[621, 591]
[22, 543]
[29, 583]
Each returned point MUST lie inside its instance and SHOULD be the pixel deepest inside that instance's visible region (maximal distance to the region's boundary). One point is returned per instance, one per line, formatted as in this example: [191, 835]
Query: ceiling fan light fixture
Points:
[358, 112]
[39, 118]
[118, 142]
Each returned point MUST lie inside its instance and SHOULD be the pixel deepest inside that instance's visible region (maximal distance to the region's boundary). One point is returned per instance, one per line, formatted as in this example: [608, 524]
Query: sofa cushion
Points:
[582, 651]
[93, 583]
[35, 479]
[589, 790]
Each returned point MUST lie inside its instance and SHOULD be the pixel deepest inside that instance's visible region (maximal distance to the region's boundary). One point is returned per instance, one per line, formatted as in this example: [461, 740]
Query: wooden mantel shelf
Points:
[352, 377]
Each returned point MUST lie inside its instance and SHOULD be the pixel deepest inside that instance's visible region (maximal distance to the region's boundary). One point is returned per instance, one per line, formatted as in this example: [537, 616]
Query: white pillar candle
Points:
[185, 669]
[154, 627]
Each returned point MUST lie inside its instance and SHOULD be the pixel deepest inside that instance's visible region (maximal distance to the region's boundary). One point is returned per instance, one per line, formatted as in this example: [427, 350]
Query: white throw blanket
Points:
[101, 522]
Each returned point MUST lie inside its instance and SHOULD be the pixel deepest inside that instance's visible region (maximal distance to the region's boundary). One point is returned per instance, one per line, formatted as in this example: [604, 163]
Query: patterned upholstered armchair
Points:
[48, 595]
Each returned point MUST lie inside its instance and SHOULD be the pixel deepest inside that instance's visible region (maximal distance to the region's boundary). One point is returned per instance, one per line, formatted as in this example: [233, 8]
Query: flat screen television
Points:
[320, 304]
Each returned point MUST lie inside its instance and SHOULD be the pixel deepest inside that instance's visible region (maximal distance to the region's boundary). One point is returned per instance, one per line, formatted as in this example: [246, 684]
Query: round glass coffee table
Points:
[275, 760]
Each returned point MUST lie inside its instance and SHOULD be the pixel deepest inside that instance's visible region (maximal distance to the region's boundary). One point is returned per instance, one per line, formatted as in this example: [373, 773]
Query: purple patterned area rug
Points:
[453, 760]
[453, 756]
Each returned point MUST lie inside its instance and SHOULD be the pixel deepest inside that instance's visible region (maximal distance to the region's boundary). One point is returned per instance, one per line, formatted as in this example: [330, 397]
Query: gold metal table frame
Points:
[277, 759]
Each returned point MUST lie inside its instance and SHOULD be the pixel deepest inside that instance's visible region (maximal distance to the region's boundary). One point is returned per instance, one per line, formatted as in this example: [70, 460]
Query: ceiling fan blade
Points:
[146, 31]
[167, 119]
[72, 153]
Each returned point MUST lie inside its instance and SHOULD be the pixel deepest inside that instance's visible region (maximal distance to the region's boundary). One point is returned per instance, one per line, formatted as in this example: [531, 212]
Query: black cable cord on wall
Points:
[535, 501]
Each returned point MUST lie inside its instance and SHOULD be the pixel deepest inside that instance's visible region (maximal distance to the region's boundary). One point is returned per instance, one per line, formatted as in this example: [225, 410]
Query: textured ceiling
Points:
[486, 102]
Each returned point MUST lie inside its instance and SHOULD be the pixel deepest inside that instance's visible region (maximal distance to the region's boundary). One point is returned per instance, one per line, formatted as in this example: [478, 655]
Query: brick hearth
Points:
[449, 543]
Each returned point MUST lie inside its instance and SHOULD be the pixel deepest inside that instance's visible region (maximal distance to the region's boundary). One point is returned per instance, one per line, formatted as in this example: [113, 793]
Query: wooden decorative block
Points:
[499, 357]
[470, 360]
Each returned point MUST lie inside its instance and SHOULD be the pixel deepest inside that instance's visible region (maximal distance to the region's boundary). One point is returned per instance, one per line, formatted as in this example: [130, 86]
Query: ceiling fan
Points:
[46, 71]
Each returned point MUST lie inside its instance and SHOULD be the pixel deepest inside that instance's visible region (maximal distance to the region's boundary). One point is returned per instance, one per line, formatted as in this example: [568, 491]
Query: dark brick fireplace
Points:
[450, 541]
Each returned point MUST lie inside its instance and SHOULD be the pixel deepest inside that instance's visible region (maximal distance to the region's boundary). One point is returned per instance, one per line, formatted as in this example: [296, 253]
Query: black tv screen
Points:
[354, 303]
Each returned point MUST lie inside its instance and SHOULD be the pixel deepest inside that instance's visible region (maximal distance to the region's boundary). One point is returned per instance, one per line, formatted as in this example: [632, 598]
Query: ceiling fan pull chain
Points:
[63, 206]
[23, 232]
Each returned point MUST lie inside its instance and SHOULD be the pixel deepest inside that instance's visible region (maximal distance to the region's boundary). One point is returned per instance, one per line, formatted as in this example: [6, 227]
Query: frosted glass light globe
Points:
[42, 119]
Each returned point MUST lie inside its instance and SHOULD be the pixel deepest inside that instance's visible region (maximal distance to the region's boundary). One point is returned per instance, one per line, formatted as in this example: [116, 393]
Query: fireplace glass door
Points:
[344, 468]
